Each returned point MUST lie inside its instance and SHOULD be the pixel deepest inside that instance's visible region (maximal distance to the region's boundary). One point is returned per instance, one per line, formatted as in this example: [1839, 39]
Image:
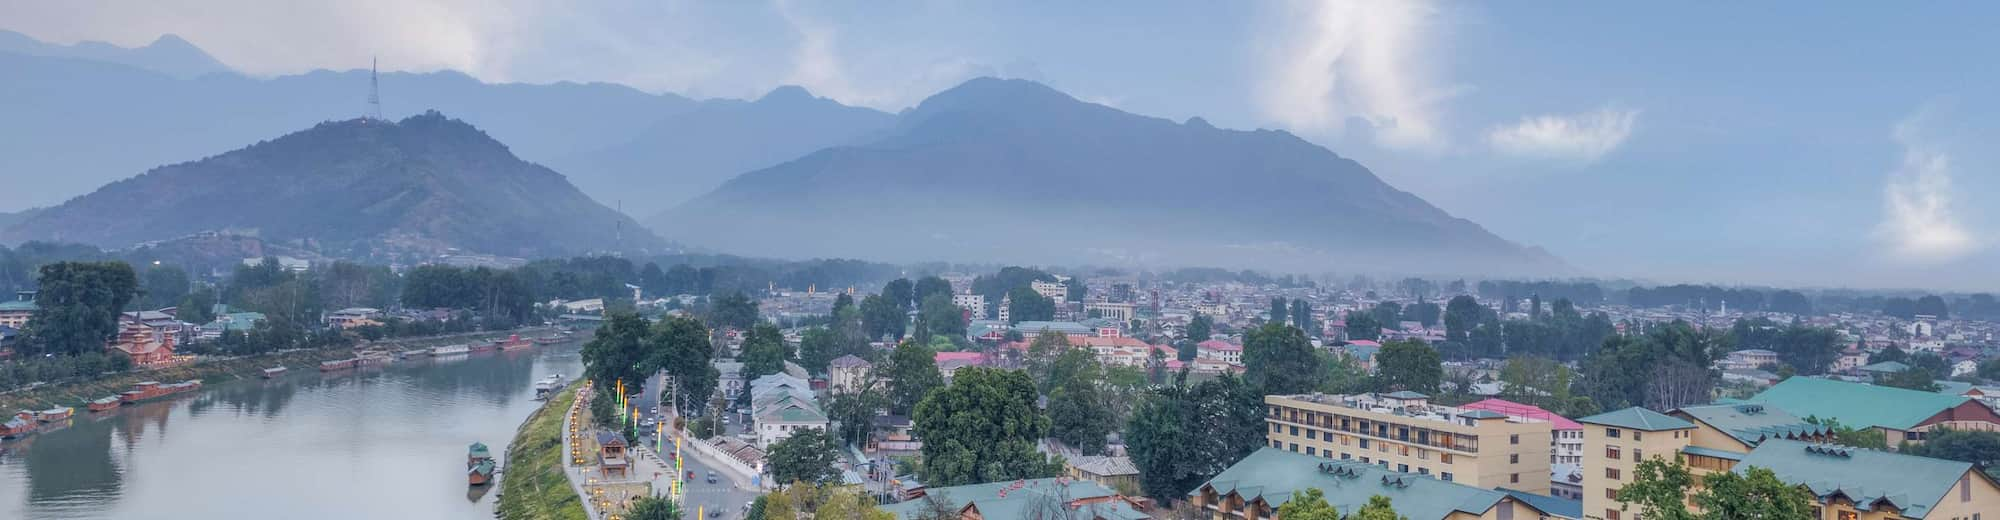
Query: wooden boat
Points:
[154, 390]
[481, 474]
[274, 372]
[105, 404]
[513, 342]
[55, 414]
[339, 364]
[449, 350]
[550, 340]
[16, 427]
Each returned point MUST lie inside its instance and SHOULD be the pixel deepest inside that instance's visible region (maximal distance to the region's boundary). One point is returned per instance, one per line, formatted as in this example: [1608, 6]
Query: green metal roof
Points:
[17, 305]
[1017, 500]
[1856, 405]
[1868, 477]
[1405, 394]
[1637, 418]
[1709, 452]
[1557, 507]
[1274, 475]
[1751, 423]
[1885, 367]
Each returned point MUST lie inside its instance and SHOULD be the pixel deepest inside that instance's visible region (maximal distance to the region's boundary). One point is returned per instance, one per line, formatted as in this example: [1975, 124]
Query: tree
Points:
[1541, 382]
[1389, 314]
[198, 306]
[807, 456]
[853, 413]
[1361, 326]
[840, 504]
[982, 428]
[1461, 314]
[1932, 305]
[1198, 330]
[734, 311]
[913, 373]
[165, 286]
[78, 305]
[1888, 354]
[679, 345]
[618, 352]
[1427, 313]
[940, 317]
[1080, 408]
[777, 506]
[1308, 505]
[900, 293]
[1024, 304]
[654, 508]
[1846, 436]
[1981, 448]
[1278, 359]
[1660, 489]
[763, 351]
[930, 286]
[1913, 378]
[1278, 310]
[1377, 508]
[1302, 317]
[881, 318]
[1182, 435]
[1409, 365]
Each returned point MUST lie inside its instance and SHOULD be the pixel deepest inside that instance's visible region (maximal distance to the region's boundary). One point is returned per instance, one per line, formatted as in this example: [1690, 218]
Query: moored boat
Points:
[274, 372]
[482, 346]
[55, 414]
[339, 364]
[513, 342]
[16, 427]
[105, 404]
[154, 390]
[481, 474]
[449, 350]
[550, 340]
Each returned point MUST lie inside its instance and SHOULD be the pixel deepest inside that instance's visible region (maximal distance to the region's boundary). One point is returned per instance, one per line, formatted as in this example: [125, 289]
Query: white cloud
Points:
[1919, 224]
[1580, 138]
[1362, 59]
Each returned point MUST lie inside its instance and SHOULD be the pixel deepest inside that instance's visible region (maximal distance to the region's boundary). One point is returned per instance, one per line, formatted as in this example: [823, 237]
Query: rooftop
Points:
[1751, 423]
[1856, 405]
[1637, 418]
[1274, 475]
[1407, 404]
[1525, 410]
[1022, 499]
[1867, 477]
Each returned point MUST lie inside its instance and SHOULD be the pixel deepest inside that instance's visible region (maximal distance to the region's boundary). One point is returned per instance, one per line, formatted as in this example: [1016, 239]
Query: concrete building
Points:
[1899, 414]
[1032, 499]
[1615, 443]
[847, 373]
[17, 312]
[1111, 311]
[1567, 446]
[1403, 432]
[781, 404]
[976, 303]
[1219, 350]
[1057, 291]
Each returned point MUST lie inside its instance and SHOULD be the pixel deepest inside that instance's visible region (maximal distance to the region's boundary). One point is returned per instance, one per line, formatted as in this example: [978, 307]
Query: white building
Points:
[780, 405]
[1122, 312]
[971, 302]
[1052, 290]
[847, 373]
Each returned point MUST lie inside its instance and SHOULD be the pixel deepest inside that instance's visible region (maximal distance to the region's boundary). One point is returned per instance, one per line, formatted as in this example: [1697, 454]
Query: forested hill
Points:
[1014, 171]
[353, 188]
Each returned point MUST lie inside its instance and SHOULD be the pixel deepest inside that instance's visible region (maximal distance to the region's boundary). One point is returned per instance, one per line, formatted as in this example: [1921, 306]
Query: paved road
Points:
[730, 492]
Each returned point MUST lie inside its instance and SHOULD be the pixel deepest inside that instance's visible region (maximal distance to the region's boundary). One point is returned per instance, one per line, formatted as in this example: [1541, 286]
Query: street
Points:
[730, 493]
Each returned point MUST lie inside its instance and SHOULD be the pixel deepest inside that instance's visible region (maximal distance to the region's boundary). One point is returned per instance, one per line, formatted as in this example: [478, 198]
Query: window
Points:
[1276, 429]
[1611, 432]
[1965, 488]
[1423, 471]
[1384, 463]
[1295, 430]
[1344, 440]
[1637, 435]
[1513, 458]
[1514, 439]
[1405, 448]
[1295, 447]
[1513, 478]
[1610, 514]
[1311, 451]
[1364, 460]
[1444, 457]
[1846, 515]
[1346, 456]
[1638, 454]
[1611, 473]
[1276, 444]
[1423, 454]
[1405, 468]
[1364, 444]
[1611, 452]
[1611, 493]
[1310, 434]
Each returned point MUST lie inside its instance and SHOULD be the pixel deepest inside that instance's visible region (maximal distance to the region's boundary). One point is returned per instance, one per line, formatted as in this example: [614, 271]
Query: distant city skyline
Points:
[1785, 144]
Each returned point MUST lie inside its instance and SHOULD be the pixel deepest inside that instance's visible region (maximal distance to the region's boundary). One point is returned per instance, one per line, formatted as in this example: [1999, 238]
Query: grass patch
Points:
[532, 484]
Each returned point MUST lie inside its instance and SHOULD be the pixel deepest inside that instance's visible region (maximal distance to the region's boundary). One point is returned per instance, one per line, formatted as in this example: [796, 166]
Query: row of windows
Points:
[1639, 435]
[1403, 449]
[1400, 432]
[1512, 478]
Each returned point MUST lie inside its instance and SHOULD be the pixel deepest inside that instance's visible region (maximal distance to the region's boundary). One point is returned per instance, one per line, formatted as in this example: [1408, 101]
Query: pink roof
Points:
[968, 357]
[1513, 409]
[1216, 344]
[1364, 343]
[1120, 341]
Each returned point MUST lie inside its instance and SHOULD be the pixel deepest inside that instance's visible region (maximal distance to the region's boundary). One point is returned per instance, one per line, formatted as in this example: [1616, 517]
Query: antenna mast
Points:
[374, 92]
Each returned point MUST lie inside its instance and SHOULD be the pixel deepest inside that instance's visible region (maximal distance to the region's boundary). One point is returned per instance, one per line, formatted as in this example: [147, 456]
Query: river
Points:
[384, 442]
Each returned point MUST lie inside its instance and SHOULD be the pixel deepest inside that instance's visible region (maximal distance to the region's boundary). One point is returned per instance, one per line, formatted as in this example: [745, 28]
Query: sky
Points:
[1788, 143]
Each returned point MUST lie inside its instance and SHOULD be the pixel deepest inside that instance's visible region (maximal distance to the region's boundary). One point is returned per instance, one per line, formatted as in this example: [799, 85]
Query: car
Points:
[712, 513]
[711, 477]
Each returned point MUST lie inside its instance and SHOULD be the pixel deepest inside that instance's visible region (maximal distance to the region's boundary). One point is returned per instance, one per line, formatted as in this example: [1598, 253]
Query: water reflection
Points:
[379, 442]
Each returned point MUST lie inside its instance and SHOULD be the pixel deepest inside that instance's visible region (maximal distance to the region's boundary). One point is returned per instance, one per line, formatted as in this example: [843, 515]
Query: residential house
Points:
[782, 404]
[352, 317]
[1116, 473]
[17, 312]
[1219, 350]
[974, 303]
[1566, 446]
[847, 373]
[948, 363]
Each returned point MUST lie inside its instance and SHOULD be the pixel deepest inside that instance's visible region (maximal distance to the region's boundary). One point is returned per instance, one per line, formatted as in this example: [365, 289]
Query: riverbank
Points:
[219, 370]
[532, 484]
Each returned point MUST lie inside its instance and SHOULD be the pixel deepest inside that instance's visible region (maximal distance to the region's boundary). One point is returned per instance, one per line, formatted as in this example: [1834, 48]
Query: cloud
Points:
[1359, 59]
[1579, 138]
[1919, 225]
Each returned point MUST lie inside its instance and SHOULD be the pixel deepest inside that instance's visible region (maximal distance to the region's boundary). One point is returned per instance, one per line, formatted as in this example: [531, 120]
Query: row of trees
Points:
[626, 348]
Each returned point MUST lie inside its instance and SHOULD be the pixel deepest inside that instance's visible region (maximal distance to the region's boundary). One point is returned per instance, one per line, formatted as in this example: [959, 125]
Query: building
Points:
[17, 313]
[948, 363]
[1403, 432]
[1567, 445]
[145, 345]
[1566, 482]
[781, 404]
[1254, 488]
[729, 379]
[1900, 414]
[1219, 350]
[1111, 311]
[611, 460]
[1002, 315]
[974, 303]
[1113, 472]
[242, 322]
[1033, 499]
[1057, 291]
[1614, 443]
[1748, 358]
[1740, 427]
[847, 373]
[354, 317]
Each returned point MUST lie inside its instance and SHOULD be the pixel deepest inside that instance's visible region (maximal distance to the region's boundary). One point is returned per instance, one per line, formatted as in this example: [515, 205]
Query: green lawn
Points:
[532, 485]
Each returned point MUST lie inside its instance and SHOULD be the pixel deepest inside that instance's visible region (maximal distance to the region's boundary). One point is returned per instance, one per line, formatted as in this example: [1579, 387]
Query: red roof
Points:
[1216, 344]
[1513, 409]
[968, 357]
[1120, 341]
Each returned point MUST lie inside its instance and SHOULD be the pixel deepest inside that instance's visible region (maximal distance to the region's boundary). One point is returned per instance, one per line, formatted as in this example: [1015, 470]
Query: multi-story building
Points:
[1254, 488]
[17, 312]
[1057, 291]
[1567, 446]
[976, 303]
[1220, 350]
[1900, 415]
[1109, 310]
[1403, 432]
[847, 373]
[1846, 483]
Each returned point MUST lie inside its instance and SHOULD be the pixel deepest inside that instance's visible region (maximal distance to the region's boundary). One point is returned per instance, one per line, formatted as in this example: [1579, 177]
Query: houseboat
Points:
[339, 364]
[483, 346]
[550, 340]
[105, 404]
[16, 427]
[548, 386]
[62, 413]
[154, 390]
[513, 342]
[274, 372]
[449, 350]
[481, 474]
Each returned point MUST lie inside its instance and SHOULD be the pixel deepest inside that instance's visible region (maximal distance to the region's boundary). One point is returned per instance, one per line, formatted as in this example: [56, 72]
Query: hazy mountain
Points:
[351, 187]
[168, 55]
[1009, 170]
[74, 124]
[691, 153]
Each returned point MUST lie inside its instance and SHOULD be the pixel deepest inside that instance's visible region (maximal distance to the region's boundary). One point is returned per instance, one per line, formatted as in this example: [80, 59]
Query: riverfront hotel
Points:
[1404, 432]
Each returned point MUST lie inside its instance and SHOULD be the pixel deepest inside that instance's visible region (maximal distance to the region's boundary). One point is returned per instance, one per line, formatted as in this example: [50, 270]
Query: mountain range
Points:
[1014, 171]
[169, 54]
[424, 186]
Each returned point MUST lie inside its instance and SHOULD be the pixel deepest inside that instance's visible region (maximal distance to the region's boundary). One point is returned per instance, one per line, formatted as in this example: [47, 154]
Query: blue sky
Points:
[1780, 142]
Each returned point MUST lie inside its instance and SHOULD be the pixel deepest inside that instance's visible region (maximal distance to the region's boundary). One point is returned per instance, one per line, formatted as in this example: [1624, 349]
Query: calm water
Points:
[375, 443]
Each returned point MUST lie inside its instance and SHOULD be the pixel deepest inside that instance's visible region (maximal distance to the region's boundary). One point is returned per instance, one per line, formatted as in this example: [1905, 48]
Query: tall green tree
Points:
[940, 317]
[982, 428]
[1461, 314]
[1302, 317]
[1389, 314]
[1181, 435]
[806, 456]
[1361, 326]
[763, 351]
[818, 346]
[882, 318]
[78, 305]
[1308, 505]
[618, 352]
[900, 293]
[680, 346]
[1024, 304]
[165, 285]
[1199, 329]
[913, 373]
[734, 310]
[853, 413]
[654, 508]
[1279, 310]
[1278, 359]
[1409, 365]
[930, 286]
[1080, 407]
[1981, 448]
[1660, 489]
